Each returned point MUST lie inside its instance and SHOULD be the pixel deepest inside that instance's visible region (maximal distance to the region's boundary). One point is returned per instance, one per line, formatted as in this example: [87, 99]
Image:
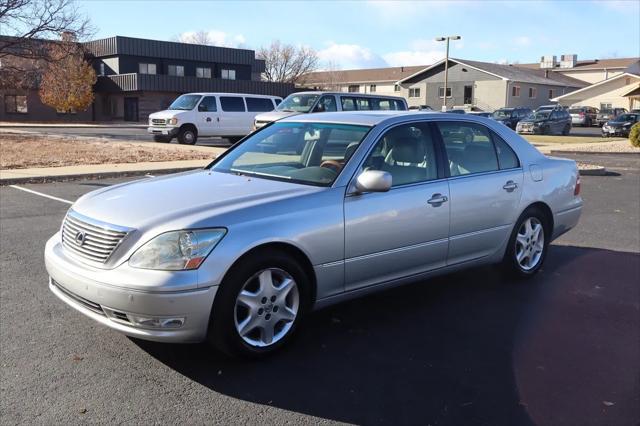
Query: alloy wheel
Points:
[266, 307]
[530, 244]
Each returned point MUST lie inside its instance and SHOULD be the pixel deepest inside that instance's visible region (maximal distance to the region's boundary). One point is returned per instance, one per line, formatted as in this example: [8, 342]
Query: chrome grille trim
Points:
[158, 121]
[100, 239]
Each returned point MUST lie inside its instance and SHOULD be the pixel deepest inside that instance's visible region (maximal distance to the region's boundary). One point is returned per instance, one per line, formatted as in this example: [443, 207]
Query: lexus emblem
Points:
[80, 236]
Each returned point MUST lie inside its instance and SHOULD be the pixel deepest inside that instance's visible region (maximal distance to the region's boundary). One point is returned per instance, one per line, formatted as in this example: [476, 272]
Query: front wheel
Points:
[528, 244]
[259, 305]
[566, 130]
[187, 136]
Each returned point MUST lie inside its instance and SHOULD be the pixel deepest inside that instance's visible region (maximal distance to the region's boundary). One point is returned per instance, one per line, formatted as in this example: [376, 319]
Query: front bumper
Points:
[162, 130]
[615, 131]
[529, 130]
[82, 288]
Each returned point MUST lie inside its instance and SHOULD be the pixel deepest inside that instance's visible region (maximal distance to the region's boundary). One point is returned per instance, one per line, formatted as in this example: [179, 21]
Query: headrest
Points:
[408, 150]
[351, 148]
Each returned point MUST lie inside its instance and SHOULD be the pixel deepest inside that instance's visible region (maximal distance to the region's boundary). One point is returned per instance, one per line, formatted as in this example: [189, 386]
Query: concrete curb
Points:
[556, 152]
[96, 175]
[600, 171]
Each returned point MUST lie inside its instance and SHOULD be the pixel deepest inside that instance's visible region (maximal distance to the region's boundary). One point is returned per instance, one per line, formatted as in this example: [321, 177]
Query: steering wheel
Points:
[334, 165]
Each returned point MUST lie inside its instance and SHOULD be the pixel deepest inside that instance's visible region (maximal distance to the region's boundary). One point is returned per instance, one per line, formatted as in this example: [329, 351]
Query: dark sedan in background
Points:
[510, 116]
[609, 114]
[621, 125]
[546, 122]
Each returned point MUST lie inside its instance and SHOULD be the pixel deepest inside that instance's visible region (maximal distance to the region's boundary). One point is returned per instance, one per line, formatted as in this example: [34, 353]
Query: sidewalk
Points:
[44, 174]
[97, 125]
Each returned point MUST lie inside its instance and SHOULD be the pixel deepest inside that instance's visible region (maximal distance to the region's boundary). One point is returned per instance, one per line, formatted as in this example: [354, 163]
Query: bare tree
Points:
[27, 26]
[286, 63]
[198, 37]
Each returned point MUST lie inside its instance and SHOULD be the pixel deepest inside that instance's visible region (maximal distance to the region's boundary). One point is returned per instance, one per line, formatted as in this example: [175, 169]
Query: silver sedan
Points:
[307, 212]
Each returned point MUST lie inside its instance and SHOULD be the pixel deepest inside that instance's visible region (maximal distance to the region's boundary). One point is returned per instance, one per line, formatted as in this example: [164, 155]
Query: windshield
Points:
[626, 117]
[307, 153]
[298, 103]
[539, 115]
[575, 110]
[501, 113]
[185, 102]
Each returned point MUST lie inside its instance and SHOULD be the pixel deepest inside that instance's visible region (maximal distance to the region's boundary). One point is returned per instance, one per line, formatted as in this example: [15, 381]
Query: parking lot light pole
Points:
[446, 69]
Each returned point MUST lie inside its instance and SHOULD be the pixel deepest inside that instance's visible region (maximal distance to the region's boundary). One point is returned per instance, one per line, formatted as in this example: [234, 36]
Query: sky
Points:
[371, 34]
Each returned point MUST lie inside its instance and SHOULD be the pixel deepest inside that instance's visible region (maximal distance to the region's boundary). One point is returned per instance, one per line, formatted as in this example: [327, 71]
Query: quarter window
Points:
[259, 104]
[441, 92]
[414, 92]
[227, 74]
[515, 91]
[15, 104]
[176, 70]
[469, 148]
[407, 152]
[507, 159]
[147, 68]
[232, 104]
[203, 72]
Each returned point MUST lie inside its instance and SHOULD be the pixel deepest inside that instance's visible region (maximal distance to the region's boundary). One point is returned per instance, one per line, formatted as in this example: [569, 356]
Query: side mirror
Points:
[373, 181]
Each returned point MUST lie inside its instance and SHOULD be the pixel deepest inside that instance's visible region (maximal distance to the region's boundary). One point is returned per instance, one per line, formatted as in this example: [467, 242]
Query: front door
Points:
[485, 187]
[404, 231]
[468, 95]
[130, 109]
[208, 119]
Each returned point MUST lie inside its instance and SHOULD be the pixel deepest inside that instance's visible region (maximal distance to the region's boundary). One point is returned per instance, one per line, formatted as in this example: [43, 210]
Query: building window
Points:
[102, 68]
[203, 72]
[176, 70]
[605, 106]
[414, 92]
[396, 88]
[533, 92]
[228, 74]
[147, 68]
[515, 91]
[441, 92]
[550, 93]
[372, 88]
[354, 88]
[15, 104]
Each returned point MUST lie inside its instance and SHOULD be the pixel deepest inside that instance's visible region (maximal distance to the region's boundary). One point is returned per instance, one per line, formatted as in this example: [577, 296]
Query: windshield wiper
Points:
[248, 173]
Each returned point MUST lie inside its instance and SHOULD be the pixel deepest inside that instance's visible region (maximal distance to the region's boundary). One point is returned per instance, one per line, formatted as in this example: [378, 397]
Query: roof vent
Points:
[548, 61]
[568, 61]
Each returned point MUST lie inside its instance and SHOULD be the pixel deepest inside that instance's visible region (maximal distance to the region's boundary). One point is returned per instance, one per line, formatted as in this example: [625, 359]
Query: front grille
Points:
[90, 239]
[92, 306]
[158, 121]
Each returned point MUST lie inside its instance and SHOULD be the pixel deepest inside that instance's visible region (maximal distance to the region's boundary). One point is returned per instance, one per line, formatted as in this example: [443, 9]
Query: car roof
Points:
[371, 118]
[354, 94]
[230, 94]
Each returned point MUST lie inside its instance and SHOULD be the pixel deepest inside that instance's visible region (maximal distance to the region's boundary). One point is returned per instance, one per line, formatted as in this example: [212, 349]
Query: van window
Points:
[259, 104]
[399, 105]
[348, 104]
[363, 104]
[208, 104]
[328, 103]
[232, 104]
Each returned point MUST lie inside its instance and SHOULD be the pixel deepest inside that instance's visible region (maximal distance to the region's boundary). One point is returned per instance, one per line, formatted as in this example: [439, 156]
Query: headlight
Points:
[172, 121]
[177, 250]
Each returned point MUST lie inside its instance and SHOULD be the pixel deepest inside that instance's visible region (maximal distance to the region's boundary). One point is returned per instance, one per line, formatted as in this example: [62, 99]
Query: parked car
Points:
[584, 116]
[546, 122]
[238, 252]
[608, 114]
[551, 107]
[481, 114]
[620, 126]
[420, 108]
[308, 102]
[510, 116]
[457, 111]
[228, 115]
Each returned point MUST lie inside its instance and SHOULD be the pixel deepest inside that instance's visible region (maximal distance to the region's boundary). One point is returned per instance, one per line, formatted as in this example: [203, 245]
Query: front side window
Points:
[147, 68]
[441, 92]
[185, 102]
[16, 104]
[203, 72]
[326, 104]
[232, 104]
[227, 74]
[407, 152]
[208, 104]
[414, 92]
[469, 148]
[259, 104]
[306, 153]
[176, 70]
[298, 103]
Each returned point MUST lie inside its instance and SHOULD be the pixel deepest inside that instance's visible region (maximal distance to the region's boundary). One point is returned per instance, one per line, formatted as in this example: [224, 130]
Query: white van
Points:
[228, 115]
[308, 102]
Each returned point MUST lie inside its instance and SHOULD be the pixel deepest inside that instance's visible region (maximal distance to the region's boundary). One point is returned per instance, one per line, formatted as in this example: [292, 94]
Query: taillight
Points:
[576, 190]
[582, 114]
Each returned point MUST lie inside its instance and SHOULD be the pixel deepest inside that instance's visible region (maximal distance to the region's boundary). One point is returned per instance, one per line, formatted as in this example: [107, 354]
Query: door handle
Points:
[218, 119]
[436, 200]
[510, 186]
[208, 119]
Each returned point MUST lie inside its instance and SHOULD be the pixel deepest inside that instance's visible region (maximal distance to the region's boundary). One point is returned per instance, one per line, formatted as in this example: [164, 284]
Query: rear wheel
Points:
[259, 305]
[528, 244]
[162, 139]
[187, 135]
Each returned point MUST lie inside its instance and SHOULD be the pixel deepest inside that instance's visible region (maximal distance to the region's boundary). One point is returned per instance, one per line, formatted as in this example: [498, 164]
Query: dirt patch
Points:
[25, 151]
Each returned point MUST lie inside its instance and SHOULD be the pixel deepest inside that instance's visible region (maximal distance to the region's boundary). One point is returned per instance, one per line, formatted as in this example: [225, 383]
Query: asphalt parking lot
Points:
[470, 348]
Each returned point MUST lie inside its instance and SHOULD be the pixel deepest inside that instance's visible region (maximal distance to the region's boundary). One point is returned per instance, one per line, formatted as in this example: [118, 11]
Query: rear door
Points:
[233, 116]
[485, 184]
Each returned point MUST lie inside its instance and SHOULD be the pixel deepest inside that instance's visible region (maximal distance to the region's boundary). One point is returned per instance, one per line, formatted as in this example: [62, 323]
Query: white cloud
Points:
[213, 37]
[413, 57]
[348, 56]
[522, 41]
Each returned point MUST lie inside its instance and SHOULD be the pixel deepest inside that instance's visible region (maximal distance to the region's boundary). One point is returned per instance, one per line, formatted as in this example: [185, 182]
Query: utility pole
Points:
[446, 69]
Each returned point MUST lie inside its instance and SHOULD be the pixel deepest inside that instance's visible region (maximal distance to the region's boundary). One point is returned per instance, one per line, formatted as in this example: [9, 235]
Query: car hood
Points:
[275, 115]
[167, 113]
[530, 120]
[619, 123]
[184, 200]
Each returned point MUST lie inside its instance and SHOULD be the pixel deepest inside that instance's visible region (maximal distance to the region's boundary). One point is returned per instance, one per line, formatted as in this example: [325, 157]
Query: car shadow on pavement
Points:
[437, 352]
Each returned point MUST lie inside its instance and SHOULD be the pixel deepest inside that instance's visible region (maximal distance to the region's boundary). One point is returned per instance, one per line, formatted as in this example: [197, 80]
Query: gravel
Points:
[604, 147]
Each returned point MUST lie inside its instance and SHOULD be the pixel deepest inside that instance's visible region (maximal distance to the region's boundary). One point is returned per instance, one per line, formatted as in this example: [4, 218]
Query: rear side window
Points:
[507, 159]
[363, 104]
[208, 104]
[232, 104]
[469, 148]
[259, 104]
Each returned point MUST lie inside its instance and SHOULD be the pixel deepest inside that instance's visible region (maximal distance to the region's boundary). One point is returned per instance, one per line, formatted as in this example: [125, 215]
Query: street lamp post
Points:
[446, 69]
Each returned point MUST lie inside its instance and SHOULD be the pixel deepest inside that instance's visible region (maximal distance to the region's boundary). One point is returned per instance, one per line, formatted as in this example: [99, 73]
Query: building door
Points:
[468, 95]
[130, 109]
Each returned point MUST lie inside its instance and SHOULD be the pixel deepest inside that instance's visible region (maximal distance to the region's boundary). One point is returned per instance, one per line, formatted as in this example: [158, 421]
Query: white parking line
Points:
[62, 200]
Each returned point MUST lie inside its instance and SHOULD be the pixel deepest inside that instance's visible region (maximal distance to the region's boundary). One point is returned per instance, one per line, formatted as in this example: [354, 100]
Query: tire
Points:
[527, 248]
[272, 308]
[545, 130]
[162, 139]
[187, 135]
[566, 130]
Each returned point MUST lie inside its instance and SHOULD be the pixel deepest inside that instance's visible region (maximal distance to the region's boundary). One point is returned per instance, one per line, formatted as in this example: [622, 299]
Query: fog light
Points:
[156, 322]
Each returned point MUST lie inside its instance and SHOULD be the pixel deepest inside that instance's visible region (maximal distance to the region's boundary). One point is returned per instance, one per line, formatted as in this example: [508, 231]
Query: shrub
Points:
[634, 135]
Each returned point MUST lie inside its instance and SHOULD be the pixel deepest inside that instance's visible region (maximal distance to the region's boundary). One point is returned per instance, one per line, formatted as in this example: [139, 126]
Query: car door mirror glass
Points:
[373, 181]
